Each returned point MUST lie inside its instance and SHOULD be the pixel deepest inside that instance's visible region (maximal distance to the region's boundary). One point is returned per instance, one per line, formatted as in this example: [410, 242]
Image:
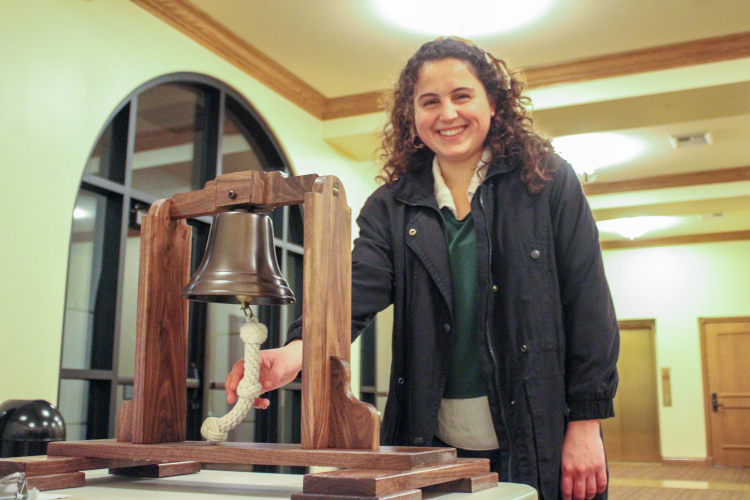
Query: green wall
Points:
[66, 65]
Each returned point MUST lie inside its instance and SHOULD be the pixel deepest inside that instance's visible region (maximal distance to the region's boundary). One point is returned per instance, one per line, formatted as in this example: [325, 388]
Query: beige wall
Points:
[676, 285]
[66, 66]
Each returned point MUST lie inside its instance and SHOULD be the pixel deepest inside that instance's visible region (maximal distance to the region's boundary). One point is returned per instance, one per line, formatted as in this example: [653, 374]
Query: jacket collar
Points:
[416, 187]
[502, 166]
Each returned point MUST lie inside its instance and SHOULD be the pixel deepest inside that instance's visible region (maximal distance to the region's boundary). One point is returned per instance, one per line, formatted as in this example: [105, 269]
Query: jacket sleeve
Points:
[591, 331]
[372, 267]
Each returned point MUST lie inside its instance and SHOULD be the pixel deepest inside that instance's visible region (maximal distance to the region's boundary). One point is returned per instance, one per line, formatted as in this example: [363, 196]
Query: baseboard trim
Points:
[691, 462]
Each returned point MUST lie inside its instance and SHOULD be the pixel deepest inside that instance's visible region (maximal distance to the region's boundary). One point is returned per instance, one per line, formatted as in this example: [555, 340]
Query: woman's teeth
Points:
[452, 132]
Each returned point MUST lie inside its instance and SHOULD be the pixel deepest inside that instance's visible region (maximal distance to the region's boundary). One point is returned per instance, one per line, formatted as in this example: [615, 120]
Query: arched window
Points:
[170, 135]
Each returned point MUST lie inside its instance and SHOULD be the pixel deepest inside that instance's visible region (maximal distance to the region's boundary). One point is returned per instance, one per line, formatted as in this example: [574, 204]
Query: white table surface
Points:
[212, 485]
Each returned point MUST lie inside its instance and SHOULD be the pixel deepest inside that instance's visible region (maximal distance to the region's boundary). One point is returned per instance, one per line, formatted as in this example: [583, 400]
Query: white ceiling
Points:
[343, 48]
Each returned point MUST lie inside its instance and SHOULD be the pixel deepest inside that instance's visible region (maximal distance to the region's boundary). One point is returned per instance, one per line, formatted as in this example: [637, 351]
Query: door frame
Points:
[648, 324]
[707, 407]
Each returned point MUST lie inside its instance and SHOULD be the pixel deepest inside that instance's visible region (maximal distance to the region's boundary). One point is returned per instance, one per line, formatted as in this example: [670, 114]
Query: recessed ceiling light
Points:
[633, 227]
[589, 152]
[467, 18]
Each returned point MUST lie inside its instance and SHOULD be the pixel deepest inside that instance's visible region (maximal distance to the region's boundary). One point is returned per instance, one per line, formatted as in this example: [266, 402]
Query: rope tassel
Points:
[253, 333]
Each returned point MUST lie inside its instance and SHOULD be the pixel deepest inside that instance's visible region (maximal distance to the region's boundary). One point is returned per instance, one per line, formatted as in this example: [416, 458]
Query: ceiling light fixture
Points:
[590, 152]
[79, 213]
[469, 18]
[633, 227]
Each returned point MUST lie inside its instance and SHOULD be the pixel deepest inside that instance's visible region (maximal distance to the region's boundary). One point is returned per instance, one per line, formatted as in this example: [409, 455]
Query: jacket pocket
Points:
[546, 399]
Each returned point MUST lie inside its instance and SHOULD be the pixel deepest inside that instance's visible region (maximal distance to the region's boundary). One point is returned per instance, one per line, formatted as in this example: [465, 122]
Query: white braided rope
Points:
[253, 334]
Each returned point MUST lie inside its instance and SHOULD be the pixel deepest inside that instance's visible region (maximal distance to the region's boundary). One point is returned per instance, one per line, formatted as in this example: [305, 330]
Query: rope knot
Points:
[253, 332]
[211, 431]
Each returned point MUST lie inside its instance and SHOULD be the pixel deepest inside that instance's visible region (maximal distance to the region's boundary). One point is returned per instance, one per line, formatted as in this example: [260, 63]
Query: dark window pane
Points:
[91, 298]
[97, 418]
[294, 278]
[277, 220]
[84, 405]
[296, 229]
[108, 158]
[237, 152]
[126, 353]
[165, 135]
[368, 397]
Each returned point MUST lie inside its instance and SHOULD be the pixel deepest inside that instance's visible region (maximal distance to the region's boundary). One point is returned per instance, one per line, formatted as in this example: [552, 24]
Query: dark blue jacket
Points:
[547, 331]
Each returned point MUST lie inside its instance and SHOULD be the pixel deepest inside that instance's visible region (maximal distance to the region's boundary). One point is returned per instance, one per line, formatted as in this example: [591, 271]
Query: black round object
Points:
[27, 426]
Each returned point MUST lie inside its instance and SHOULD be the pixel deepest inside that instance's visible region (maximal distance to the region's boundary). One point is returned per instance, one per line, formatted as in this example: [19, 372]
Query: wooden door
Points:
[726, 377]
[633, 434]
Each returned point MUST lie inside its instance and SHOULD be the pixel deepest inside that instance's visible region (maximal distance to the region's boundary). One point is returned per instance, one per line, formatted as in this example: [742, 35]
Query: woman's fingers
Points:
[278, 367]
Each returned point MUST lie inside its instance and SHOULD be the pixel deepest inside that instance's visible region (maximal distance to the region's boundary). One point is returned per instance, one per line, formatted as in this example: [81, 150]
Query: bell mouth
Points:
[239, 288]
[239, 265]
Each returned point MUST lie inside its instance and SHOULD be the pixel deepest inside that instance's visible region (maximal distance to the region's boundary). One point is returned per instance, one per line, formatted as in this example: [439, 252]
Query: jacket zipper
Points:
[489, 344]
[486, 327]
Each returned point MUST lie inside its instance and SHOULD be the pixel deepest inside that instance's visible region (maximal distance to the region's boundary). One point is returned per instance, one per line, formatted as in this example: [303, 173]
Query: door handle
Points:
[715, 402]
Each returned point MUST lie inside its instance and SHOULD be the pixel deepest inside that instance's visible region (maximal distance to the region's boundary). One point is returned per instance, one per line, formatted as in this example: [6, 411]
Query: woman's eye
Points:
[462, 97]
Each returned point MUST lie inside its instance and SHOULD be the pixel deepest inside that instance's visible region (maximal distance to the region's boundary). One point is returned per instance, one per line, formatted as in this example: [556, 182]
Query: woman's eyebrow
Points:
[457, 89]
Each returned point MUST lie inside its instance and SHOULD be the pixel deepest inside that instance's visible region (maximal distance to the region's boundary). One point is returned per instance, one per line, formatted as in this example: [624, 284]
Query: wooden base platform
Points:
[387, 457]
[467, 475]
[53, 473]
[393, 473]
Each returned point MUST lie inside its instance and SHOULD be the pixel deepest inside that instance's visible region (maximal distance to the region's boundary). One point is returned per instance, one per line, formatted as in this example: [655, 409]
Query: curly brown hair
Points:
[511, 133]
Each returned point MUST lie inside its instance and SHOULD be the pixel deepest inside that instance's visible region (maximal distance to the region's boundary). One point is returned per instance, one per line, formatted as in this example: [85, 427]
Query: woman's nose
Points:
[448, 111]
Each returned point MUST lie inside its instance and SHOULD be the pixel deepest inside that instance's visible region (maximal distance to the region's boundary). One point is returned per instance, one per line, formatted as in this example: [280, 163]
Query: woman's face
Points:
[452, 112]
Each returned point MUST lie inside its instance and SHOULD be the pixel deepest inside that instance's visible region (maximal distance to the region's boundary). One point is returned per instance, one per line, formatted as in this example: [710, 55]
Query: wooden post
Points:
[158, 409]
[331, 416]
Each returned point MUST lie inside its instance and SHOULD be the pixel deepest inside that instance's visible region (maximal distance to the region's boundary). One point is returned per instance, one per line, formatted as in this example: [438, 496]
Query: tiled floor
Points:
[677, 482]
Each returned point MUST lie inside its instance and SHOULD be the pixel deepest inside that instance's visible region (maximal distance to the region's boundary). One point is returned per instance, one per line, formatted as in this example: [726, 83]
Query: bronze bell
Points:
[239, 266]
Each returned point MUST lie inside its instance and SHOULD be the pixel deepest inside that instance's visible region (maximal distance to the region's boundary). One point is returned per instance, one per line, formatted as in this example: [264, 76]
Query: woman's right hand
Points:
[278, 367]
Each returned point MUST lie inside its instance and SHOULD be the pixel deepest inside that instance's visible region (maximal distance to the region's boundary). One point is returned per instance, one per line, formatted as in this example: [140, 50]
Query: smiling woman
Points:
[472, 18]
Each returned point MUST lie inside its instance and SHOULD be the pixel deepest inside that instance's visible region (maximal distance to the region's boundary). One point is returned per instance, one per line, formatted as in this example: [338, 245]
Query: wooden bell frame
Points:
[337, 429]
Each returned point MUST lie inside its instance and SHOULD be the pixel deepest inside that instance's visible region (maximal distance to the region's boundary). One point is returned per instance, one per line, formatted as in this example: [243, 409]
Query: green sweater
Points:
[465, 378]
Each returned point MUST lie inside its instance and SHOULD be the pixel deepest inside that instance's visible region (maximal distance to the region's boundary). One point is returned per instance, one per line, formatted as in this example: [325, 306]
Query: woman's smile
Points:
[452, 131]
[452, 112]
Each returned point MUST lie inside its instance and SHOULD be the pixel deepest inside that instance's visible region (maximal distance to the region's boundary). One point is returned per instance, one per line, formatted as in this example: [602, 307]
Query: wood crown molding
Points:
[707, 50]
[202, 28]
[677, 55]
[736, 174]
[676, 240]
[205, 30]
